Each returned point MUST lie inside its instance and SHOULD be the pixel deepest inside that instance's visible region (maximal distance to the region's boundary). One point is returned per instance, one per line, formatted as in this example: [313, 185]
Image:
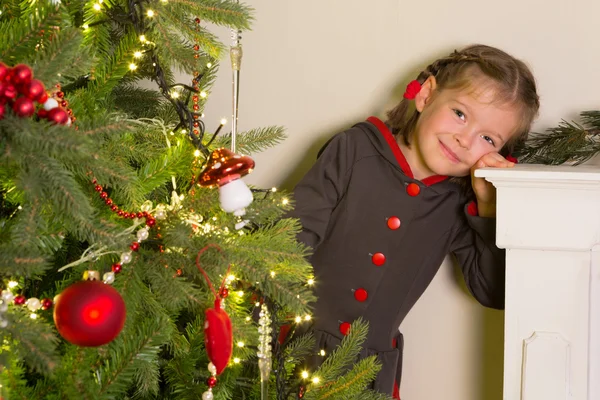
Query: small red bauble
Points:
[24, 107]
[89, 313]
[116, 268]
[211, 382]
[42, 113]
[19, 300]
[46, 303]
[58, 116]
[150, 222]
[21, 74]
[10, 91]
[224, 292]
[35, 90]
[43, 97]
[218, 336]
[4, 72]
[135, 246]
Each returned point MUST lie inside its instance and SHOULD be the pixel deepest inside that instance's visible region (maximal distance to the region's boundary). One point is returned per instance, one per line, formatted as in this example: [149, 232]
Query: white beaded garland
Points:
[109, 278]
[142, 234]
[212, 369]
[208, 395]
[7, 296]
[126, 258]
[33, 304]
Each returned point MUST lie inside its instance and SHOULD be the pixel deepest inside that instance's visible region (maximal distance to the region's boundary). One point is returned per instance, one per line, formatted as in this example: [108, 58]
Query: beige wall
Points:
[317, 66]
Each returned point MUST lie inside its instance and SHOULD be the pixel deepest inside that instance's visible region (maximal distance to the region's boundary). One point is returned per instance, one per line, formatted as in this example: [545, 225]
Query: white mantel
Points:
[548, 220]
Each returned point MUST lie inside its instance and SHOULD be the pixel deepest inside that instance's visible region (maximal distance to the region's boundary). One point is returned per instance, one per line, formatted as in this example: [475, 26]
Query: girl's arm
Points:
[317, 194]
[483, 264]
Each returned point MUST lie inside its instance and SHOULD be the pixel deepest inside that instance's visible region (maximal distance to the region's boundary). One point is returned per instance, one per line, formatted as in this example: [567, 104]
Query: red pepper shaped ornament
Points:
[218, 336]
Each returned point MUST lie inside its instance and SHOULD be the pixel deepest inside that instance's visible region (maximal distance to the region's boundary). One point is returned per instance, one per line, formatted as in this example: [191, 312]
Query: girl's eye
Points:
[489, 140]
[460, 114]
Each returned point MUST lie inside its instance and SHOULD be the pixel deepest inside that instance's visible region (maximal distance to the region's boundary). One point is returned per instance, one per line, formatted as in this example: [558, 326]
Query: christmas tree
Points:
[188, 275]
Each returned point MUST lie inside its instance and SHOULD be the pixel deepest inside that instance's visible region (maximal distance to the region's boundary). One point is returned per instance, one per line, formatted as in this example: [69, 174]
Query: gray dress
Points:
[379, 236]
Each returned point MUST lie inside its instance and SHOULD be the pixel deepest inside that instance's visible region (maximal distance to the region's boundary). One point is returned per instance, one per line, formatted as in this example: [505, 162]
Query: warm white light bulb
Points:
[132, 66]
[150, 13]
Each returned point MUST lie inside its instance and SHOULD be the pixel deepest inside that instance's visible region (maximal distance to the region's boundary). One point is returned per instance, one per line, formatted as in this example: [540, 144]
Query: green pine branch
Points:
[569, 142]
[22, 36]
[220, 12]
[256, 140]
[116, 66]
[61, 58]
[194, 33]
[341, 376]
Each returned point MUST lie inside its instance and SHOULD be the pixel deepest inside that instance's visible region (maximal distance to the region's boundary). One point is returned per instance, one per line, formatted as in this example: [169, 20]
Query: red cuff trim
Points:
[396, 394]
[472, 209]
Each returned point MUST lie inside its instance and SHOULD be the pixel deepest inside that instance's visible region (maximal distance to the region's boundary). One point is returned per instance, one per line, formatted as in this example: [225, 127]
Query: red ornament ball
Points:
[4, 71]
[21, 74]
[24, 107]
[35, 91]
[211, 382]
[46, 303]
[10, 91]
[19, 300]
[89, 313]
[58, 116]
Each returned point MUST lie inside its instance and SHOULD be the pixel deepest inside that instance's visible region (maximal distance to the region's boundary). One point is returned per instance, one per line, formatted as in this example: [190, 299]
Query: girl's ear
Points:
[426, 93]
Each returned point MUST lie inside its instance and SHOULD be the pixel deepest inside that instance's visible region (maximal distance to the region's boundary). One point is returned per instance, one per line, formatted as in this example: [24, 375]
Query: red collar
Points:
[391, 140]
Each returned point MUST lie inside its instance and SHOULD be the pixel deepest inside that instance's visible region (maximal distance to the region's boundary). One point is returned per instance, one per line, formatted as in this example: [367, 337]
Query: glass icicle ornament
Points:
[264, 350]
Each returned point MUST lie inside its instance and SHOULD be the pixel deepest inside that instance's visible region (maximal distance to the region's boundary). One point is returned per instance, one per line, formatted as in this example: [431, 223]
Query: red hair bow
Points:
[412, 89]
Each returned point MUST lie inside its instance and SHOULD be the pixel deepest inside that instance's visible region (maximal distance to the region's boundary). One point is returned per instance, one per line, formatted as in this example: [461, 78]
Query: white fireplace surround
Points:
[548, 220]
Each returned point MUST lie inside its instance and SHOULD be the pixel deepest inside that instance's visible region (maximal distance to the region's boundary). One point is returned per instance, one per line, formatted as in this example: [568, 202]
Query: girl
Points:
[386, 202]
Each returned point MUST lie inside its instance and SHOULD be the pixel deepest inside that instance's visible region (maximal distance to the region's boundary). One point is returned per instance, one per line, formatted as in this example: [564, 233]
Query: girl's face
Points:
[456, 128]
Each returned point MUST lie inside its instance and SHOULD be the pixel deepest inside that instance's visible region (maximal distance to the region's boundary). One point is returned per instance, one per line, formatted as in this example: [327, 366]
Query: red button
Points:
[413, 189]
[345, 328]
[378, 259]
[393, 223]
[361, 295]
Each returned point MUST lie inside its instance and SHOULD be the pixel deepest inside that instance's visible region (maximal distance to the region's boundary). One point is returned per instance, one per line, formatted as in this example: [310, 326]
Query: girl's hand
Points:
[485, 192]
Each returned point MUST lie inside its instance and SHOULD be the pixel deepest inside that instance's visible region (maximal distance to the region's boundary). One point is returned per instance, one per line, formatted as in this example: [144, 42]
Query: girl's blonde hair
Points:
[512, 81]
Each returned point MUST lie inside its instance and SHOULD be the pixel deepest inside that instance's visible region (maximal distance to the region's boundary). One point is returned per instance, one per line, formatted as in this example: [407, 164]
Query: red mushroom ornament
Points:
[225, 170]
